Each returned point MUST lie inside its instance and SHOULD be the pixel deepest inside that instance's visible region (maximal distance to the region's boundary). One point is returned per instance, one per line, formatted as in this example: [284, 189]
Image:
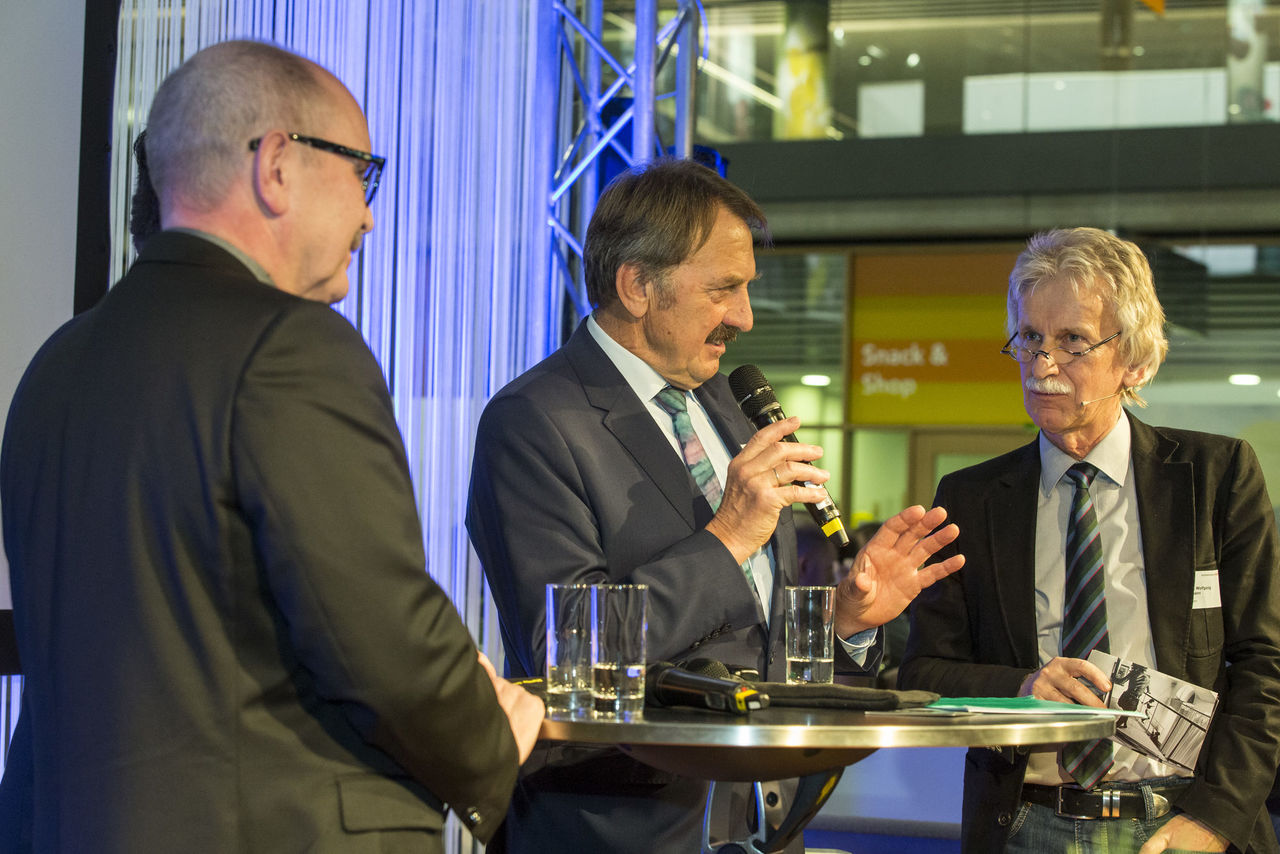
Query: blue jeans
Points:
[1039, 830]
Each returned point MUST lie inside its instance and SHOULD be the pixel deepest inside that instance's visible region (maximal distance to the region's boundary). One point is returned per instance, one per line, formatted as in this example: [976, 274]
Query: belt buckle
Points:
[1110, 804]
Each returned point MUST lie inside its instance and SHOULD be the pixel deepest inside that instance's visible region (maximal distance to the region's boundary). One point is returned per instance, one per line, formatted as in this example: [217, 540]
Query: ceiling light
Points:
[1244, 379]
[913, 60]
[818, 380]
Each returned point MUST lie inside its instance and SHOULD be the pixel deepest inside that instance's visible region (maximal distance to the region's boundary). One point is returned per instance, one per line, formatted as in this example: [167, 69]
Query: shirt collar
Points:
[259, 272]
[1110, 456]
[643, 379]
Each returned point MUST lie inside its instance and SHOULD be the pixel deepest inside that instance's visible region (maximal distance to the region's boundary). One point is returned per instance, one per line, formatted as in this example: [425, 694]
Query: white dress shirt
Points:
[1115, 502]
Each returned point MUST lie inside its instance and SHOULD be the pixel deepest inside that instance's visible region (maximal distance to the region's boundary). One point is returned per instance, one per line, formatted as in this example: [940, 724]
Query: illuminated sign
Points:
[927, 330]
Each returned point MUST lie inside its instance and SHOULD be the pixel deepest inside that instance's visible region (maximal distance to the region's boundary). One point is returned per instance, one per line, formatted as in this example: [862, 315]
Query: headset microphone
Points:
[1085, 403]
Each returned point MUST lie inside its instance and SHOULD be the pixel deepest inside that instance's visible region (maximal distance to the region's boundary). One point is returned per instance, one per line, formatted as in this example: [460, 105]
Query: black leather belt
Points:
[1101, 802]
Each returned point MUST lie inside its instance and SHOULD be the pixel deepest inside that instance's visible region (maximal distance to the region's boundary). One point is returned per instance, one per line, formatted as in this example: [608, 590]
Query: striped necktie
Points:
[673, 402]
[1084, 617]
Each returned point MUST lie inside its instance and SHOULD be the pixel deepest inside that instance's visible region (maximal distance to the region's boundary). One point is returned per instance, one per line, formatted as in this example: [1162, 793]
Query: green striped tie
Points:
[1084, 617]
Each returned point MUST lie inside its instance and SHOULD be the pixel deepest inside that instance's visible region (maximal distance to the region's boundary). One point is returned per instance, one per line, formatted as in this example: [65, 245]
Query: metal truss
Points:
[585, 135]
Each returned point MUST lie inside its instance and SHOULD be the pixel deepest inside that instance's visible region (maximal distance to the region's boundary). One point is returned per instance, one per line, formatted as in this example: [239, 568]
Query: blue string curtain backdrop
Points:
[451, 289]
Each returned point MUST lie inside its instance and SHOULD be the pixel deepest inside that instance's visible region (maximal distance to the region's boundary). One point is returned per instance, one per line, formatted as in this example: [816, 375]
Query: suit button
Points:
[471, 816]
[1003, 819]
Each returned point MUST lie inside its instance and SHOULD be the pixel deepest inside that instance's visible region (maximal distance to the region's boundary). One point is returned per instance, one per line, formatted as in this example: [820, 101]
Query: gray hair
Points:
[654, 217]
[1097, 262]
[206, 111]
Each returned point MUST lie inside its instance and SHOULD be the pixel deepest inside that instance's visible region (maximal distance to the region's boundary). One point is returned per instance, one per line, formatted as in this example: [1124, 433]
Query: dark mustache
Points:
[723, 334]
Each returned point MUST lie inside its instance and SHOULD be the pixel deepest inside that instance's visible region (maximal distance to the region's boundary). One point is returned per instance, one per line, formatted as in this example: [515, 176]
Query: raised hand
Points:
[889, 571]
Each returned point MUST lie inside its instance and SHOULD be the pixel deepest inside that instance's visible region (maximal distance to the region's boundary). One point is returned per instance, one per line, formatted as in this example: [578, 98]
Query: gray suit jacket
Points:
[1202, 505]
[573, 482]
[229, 639]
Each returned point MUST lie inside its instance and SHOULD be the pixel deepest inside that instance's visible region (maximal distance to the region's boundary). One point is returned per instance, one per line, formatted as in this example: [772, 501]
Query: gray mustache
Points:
[1048, 385]
[723, 334]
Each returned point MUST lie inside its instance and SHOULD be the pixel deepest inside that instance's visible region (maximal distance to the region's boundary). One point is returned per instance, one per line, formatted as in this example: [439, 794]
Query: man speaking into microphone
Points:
[624, 458]
[1154, 545]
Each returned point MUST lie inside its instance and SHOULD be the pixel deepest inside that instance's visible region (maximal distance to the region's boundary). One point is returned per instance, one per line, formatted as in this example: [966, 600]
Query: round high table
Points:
[814, 745]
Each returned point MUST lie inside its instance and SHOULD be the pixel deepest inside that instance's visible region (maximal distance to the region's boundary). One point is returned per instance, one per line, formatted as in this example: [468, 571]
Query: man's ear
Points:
[1136, 377]
[272, 173]
[634, 291]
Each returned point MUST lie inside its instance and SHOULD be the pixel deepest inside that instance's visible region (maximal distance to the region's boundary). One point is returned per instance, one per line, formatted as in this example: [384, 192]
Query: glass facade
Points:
[812, 69]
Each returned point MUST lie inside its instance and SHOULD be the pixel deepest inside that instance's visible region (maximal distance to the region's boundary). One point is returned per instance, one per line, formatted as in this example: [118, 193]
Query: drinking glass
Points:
[619, 624]
[569, 651]
[810, 612]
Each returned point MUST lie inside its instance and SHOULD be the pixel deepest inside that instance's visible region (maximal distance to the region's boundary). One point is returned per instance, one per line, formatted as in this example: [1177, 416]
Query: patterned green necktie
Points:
[673, 402]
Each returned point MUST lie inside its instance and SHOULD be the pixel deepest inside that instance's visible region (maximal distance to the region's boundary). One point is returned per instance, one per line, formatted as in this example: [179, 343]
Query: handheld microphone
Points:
[760, 405]
[1085, 403]
[669, 685]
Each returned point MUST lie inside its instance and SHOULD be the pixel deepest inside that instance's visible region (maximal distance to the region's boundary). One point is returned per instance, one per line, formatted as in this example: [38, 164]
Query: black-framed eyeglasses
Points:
[1058, 355]
[373, 168]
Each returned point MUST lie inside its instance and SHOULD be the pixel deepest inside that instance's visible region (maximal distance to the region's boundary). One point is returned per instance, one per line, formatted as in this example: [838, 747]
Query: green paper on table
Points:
[1021, 706]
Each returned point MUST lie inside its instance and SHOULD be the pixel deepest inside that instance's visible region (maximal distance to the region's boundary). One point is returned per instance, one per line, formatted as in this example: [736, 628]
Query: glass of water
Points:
[619, 624]
[569, 651]
[810, 643]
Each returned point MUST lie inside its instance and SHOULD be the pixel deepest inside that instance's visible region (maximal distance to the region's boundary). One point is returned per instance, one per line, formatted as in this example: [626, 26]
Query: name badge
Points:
[1207, 594]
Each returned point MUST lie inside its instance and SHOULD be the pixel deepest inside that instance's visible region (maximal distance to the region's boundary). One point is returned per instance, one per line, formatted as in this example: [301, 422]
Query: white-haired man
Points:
[1167, 534]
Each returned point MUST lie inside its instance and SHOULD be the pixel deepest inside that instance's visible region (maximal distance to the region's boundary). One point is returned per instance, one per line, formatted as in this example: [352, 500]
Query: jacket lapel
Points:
[1167, 517]
[1011, 538]
[626, 417]
[730, 423]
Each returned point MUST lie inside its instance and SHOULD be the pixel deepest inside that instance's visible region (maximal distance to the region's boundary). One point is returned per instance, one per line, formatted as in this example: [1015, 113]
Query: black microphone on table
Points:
[666, 684]
[760, 405]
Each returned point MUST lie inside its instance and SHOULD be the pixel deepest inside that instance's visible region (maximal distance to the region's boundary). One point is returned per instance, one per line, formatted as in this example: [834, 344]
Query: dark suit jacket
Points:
[574, 482]
[229, 639]
[1202, 505]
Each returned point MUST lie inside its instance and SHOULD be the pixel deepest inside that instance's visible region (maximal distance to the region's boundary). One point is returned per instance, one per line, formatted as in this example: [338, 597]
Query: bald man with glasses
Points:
[228, 635]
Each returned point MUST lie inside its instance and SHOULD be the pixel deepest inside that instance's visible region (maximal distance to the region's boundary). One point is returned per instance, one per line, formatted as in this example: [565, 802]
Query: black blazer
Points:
[229, 639]
[1202, 505]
